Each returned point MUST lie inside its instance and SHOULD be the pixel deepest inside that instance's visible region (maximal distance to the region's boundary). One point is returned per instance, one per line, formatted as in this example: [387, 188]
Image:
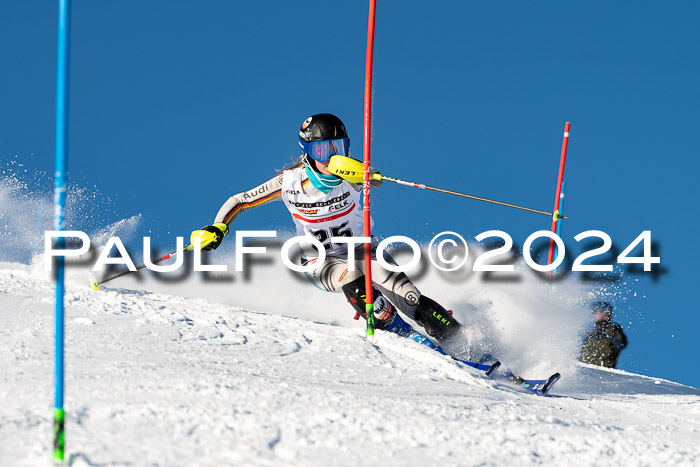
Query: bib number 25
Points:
[324, 235]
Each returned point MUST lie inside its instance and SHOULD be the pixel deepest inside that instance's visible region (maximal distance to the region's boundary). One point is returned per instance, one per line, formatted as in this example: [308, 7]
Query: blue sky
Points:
[177, 105]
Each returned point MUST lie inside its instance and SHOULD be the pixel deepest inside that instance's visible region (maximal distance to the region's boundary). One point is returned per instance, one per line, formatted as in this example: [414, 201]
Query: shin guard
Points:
[436, 321]
[384, 311]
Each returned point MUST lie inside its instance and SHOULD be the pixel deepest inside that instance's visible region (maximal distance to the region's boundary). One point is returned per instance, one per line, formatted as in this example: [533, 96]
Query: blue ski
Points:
[535, 386]
[403, 329]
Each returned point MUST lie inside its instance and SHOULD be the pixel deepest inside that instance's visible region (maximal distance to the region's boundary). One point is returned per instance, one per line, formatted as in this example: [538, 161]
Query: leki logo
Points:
[441, 318]
[345, 172]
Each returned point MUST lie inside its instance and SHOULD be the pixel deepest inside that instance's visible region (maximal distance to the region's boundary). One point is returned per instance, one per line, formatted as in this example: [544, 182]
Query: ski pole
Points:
[205, 238]
[352, 171]
[366, 219]
[95, 285]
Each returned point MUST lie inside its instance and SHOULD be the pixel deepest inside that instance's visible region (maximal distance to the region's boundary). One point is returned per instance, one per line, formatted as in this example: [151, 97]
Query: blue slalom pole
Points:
[59, 221]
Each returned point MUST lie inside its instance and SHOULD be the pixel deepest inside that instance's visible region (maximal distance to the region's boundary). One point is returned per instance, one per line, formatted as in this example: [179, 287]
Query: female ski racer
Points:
[325, 206]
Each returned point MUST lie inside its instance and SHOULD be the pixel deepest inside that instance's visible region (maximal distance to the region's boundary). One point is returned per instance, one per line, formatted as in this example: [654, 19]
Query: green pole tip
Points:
[58, 439]
[369, 313]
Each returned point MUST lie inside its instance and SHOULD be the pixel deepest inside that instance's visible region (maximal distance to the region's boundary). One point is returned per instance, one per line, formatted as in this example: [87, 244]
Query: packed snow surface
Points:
[169, 379]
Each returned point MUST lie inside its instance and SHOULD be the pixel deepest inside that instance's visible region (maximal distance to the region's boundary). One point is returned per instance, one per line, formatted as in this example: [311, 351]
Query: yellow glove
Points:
[353, 171]
[210, 237]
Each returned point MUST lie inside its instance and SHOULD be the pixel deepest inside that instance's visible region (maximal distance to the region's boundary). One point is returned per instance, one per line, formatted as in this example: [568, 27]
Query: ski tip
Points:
[550, 382]
[493, 368]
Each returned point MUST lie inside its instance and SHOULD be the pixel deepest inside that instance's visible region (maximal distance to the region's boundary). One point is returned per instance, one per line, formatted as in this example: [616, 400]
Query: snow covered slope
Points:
[159, 379]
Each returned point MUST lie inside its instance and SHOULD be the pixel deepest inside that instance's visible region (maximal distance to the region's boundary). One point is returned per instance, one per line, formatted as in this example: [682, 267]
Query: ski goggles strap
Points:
[323, 150]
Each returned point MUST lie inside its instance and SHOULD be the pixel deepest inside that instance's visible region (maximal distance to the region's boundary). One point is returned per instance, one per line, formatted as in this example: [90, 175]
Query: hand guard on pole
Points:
[210, 237]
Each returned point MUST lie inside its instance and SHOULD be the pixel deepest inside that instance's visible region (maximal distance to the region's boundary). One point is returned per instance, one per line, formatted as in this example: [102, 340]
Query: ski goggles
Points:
[323, 150]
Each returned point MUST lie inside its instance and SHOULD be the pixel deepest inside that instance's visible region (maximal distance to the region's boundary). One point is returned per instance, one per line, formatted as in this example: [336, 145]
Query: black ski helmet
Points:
[322, 127]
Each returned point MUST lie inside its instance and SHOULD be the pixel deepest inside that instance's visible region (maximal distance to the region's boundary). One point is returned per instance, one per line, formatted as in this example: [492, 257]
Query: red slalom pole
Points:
[369, 299]
[560, 178]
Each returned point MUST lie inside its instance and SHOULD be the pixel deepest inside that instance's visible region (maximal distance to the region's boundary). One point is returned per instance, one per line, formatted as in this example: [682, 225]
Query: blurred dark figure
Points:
[603, 344]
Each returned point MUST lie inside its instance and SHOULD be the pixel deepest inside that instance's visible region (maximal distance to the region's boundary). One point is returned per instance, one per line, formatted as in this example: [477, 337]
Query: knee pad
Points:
[437, 321]
[355, 293]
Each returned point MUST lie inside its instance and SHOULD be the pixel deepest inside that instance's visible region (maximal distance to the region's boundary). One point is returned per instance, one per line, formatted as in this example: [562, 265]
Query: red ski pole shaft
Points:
[560, 178]
[369, 299]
